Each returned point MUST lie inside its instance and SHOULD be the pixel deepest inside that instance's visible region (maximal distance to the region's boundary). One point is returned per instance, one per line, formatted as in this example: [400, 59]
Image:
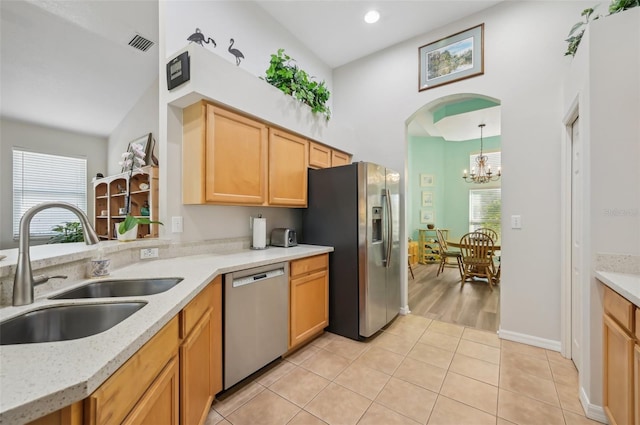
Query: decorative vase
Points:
[129, 235]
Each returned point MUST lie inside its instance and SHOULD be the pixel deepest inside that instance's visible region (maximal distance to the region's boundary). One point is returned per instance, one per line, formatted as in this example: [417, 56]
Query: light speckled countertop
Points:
[36, 379]
[625, 284]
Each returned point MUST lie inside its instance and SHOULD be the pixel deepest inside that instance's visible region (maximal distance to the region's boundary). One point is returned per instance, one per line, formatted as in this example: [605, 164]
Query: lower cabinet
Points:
[619, 345]
[171, 380]
[309, 298]
[636, 374]
[201, 354]
[159, 404]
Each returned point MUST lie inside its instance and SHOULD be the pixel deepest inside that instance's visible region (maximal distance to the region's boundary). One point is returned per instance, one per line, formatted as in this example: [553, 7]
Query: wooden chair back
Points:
[476, 248]
[441, 240]
[488, 232]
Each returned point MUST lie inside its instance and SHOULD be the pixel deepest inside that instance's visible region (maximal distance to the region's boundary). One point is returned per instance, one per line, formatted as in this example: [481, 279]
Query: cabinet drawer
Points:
[309, 264]
[618, 308]
[192, 313]
[113, 401]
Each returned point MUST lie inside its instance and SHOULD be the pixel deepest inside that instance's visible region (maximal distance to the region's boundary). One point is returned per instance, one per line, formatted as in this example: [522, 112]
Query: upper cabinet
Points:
[321, 156]
[287, 169]
[232, 159]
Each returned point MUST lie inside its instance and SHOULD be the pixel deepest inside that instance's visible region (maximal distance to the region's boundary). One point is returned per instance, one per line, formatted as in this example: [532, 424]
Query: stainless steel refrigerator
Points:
[355, 209]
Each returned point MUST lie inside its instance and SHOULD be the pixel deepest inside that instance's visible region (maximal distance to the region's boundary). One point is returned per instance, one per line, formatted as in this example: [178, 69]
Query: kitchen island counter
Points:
[36, 379]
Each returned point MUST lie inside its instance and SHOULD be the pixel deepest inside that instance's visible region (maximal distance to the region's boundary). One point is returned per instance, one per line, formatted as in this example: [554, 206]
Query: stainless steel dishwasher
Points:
[256, 319]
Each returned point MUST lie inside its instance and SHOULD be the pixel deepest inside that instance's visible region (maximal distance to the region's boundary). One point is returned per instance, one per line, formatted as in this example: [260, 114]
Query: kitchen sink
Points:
[65, 322]
[120, 288]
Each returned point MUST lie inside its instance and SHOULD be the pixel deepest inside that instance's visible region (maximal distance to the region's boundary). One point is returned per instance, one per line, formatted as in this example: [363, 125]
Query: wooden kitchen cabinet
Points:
[340, 158]
[321, 156]
[309, 298]
[70, 415]
[618, 358]
[136, 384]
[224, 157]
[201, 354]
[287, 169]
[159, 405]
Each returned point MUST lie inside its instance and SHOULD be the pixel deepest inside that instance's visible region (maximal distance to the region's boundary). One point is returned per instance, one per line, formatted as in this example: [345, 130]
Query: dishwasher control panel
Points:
[239, 281]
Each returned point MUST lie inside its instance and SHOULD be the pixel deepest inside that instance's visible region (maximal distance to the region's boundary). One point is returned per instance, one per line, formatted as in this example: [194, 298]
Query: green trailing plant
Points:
[576, 37]
[284, 74]
[67, 232]
[620, 5]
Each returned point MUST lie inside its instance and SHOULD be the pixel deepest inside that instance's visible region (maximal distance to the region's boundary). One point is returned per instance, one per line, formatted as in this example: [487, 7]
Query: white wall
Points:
[610, 134]
[45, 140]
[140, 120]
[524, 69]
[257, 35]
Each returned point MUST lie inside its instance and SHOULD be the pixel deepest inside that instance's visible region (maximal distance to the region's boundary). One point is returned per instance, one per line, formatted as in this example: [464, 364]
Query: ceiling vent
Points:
[140, 43]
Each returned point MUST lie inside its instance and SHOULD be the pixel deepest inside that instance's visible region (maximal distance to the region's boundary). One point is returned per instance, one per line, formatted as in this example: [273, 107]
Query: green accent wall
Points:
[445, 161]
[462, 108]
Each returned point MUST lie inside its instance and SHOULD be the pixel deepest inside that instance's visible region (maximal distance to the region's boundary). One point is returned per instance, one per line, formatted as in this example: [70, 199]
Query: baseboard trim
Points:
[549, 344]
[592, 411]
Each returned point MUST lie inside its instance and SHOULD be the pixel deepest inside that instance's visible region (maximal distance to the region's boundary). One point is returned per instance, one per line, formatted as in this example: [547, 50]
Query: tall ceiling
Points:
[67, 64]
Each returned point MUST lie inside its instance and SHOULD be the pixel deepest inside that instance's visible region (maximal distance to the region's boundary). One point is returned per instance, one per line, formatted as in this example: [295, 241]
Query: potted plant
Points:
[288, 77]
[132, 160]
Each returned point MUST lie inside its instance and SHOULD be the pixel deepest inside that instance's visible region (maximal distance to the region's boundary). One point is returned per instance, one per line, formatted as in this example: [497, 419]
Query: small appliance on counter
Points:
[283, 237]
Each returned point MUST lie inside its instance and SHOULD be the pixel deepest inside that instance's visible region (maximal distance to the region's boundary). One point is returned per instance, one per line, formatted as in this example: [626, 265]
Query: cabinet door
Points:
[196, 372]
[340, 158]
[319, 156]
[309, 307]
[235, 158]
[159, 405]
[636, 374]
[617, 375]
[70, 415]
[287, 169]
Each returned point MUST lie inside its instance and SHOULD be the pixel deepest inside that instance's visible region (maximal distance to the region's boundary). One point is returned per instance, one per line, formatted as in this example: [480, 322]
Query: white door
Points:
[576, 243]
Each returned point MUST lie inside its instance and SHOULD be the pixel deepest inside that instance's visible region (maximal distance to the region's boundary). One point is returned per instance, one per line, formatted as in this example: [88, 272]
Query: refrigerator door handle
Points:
[389, 217]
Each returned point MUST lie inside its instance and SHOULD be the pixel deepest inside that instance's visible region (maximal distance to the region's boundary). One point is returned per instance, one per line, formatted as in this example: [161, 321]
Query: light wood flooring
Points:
[441, 298]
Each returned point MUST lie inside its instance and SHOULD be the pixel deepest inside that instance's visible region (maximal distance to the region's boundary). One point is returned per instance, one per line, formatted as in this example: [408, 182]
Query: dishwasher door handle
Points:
[246, 280]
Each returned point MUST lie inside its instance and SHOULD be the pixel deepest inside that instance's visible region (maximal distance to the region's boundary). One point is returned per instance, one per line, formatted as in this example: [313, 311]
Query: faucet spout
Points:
[23, 282]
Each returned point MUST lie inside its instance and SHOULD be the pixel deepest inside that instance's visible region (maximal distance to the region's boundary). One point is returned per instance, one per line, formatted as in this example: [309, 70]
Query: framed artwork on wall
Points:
[452, 58]
[427, 199]
[426, 180]
[427, 217]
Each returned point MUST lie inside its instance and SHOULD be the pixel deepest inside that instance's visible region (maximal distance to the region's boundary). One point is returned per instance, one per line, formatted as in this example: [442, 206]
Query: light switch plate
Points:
[516, 222]
[176, 224]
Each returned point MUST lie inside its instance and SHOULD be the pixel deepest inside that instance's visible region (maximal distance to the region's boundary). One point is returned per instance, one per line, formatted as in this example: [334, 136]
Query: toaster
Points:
[283, 237]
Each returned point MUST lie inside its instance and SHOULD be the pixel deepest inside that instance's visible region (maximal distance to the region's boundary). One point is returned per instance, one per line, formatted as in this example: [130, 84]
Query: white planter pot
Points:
[129, 235]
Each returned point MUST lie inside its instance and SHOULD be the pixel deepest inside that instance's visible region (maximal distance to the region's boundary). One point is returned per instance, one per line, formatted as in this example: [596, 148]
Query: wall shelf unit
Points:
[110, 198]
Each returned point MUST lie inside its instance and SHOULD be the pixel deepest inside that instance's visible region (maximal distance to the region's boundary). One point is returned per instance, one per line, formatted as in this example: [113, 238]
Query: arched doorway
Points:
[443, 139]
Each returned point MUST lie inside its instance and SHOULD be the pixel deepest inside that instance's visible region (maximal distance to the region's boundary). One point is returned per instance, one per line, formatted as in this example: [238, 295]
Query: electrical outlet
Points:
[146, 253]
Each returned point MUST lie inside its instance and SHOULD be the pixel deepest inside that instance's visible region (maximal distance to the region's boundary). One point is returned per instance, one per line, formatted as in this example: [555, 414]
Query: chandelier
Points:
[481, 173]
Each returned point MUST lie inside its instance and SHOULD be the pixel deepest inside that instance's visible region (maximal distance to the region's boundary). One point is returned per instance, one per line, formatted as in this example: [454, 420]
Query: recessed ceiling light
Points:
[371, 17]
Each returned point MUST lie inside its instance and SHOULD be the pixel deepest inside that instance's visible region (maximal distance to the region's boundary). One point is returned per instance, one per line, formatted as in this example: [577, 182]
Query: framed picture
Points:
[147, 143]
[426, 180]
[452, 58]
[427, 199]
[427, 217]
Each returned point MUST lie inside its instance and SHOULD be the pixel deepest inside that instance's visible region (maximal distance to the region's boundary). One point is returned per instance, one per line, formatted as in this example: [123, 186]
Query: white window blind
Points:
[494, 159]
[39, 177]
[484, 209]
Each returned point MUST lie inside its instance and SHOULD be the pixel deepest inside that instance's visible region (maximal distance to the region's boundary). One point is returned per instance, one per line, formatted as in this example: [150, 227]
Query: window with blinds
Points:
[39, 177]
[484, 209]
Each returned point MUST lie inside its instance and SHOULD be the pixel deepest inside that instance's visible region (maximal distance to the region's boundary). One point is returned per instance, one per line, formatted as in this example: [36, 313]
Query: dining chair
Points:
[489, 232]
[477, 257]
[493, 235]
[446, 253]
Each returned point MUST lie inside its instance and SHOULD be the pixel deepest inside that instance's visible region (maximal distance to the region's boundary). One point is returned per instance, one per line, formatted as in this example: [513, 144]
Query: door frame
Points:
[565, 229]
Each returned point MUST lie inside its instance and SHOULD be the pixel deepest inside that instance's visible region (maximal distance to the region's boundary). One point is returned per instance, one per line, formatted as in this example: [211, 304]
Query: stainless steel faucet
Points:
[23, 282]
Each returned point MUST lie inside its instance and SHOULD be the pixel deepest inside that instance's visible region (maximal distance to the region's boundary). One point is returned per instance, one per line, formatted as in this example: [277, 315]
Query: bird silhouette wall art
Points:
[235, 52]
[199, 37]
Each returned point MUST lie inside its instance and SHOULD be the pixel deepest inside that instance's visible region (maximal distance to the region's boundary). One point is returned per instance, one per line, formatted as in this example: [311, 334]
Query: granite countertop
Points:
[36, 379]
[625, 284]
